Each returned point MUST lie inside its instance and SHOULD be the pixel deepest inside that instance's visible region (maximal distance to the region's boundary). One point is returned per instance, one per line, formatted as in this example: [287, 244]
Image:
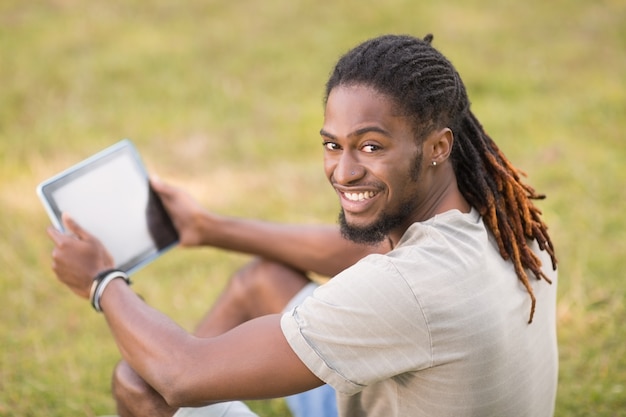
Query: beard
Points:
[378, 231]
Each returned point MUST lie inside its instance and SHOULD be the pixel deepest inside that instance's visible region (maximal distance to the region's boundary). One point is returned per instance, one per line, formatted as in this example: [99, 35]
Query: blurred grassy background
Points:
[225, 99]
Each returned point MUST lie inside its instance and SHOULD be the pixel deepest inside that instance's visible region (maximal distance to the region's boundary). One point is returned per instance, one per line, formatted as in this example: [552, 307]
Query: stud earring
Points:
[352, 173]
[434, 163]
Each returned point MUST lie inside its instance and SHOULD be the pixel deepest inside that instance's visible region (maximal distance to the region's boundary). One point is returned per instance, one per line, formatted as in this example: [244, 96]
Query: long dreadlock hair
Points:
[426, 88]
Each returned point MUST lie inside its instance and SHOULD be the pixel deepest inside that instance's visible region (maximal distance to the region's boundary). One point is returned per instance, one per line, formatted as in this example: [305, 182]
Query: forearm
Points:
[316, 248]
[142, 334]
[252, 361]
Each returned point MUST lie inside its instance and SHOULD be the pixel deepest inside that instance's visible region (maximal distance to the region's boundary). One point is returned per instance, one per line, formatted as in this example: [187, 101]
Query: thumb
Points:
[75, 228]
[161, 188]
[156, 183]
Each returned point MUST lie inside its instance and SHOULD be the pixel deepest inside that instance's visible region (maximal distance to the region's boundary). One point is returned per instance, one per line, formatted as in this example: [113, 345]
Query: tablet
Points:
[109, 195]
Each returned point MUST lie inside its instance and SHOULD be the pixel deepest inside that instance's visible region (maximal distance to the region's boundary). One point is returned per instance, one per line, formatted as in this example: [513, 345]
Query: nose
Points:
[347, 169]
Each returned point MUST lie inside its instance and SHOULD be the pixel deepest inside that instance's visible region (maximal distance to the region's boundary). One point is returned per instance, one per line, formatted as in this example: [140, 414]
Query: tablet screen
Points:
[109, 195]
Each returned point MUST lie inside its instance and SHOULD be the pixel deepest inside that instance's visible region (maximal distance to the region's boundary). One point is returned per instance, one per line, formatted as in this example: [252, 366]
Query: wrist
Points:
[208, 228]
[101, 281]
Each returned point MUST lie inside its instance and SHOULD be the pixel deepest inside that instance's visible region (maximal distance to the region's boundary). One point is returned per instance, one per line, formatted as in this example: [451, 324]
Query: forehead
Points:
[354, 107]
[353, 100]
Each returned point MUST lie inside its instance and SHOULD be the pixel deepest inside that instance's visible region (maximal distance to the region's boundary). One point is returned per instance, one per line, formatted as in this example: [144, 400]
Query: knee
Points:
[125, 380]
[264, 287]
[255, 278]
[129, 390]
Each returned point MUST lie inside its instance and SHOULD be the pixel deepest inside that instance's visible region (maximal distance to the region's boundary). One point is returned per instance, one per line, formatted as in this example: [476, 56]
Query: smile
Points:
[359, 196]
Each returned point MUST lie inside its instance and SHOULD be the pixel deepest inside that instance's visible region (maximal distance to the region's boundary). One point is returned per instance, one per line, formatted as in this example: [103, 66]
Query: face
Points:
[373, 161]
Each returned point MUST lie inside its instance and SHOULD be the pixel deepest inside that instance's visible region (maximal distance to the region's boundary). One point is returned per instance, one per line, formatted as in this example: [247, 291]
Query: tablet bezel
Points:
[46, 190]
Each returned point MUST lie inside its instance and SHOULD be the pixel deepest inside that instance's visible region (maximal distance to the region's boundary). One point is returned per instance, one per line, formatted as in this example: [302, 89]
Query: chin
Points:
[370, 234]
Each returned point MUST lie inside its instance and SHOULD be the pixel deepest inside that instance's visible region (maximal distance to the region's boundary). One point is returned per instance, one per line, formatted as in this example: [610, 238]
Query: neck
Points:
[442, 195]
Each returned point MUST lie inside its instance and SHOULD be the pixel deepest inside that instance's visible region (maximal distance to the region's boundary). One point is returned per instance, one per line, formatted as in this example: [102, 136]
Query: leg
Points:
[259, 288]
[228, 409]
[136, 398]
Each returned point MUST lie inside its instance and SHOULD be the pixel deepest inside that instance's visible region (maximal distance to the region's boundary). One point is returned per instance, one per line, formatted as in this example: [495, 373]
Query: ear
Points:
[439, 145]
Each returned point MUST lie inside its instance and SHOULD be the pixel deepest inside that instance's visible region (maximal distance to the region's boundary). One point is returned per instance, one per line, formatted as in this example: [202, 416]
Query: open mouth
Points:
[359, 196]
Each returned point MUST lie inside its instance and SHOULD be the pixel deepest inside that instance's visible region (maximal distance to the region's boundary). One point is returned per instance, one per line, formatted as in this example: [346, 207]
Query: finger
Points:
[155, 182]
[165, 191]
[159, 186]
[55, 235]
[155, 179]
[75, 228]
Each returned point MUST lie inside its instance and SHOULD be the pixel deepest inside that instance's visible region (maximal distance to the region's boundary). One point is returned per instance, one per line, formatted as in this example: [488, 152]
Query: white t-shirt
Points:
[436, 327]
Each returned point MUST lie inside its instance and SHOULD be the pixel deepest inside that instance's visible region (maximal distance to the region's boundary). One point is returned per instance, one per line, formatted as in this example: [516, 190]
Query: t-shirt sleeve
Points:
[363, 326]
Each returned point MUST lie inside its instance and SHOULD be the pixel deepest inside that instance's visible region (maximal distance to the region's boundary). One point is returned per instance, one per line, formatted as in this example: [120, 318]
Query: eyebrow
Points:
[358, 132]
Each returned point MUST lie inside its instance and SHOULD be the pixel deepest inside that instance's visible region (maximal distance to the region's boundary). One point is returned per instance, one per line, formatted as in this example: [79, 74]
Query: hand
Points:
[186, 213]
[78, 257]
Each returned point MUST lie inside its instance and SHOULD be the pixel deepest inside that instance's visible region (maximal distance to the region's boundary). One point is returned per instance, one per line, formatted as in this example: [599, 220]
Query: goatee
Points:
[374, 233]
[381, 227]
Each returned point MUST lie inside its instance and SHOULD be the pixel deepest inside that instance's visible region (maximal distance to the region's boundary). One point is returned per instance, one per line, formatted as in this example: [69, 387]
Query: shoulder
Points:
[449, 243]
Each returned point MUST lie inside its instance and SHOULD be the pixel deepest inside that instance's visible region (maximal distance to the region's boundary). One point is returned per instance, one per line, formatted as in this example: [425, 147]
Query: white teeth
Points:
[360, 196]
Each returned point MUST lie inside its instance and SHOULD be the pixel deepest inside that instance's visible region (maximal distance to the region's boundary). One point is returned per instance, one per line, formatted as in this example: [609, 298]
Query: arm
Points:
[319, 249]
[251, 361]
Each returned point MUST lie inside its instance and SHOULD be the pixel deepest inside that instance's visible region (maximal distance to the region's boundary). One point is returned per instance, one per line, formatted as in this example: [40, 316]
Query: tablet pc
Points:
[110, 196]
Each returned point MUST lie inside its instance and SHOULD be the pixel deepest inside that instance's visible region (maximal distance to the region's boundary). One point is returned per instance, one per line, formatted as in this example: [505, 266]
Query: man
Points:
[456, 318]
[271, 283]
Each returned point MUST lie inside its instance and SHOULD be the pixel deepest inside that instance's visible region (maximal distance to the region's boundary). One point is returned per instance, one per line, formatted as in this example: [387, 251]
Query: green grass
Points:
[224, 98]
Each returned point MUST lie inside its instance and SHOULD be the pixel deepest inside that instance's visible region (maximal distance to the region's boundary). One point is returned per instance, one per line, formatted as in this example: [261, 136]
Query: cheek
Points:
[416, 169]
[329, 167]
[404, 179]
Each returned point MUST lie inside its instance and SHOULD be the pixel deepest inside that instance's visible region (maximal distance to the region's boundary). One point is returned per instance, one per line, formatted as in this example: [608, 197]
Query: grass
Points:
[224, 98]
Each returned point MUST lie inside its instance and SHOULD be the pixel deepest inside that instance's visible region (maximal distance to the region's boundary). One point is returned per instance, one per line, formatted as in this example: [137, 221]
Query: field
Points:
[225, 100]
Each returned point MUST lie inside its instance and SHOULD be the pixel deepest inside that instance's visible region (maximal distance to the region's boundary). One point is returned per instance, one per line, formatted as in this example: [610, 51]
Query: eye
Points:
[369, 148]
[330, 146]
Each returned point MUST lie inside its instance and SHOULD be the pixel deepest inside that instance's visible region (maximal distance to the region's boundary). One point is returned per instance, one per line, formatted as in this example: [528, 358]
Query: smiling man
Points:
[452, 311]
[368, 153]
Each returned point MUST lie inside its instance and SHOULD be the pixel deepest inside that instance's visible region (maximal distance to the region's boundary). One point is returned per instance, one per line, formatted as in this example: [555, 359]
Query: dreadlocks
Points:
[426, 88]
